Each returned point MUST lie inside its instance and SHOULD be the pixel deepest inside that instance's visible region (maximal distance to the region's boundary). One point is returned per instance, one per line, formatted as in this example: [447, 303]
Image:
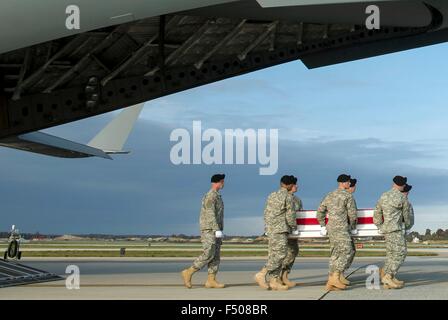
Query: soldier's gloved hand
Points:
[295, 232]
[219, 234]
[323, 231]
[354, 232]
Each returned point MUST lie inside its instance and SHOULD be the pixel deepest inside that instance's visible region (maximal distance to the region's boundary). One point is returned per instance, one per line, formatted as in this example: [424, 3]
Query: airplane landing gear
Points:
[13, 251]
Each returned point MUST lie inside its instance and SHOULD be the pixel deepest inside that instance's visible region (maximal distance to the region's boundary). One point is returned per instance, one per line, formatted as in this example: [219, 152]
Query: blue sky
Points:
[372, 118]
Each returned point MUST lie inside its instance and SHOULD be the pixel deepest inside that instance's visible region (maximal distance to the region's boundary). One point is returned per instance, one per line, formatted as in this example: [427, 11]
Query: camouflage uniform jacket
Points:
[279, 213]
[341, 209]
[409, 220]
[297, 203]
[212, 211]
[392, 209]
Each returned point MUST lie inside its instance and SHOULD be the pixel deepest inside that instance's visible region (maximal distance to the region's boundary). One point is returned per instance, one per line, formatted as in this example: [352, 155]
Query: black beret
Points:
[344, 178]
[217, 177]
[400, 181]
[353, 182]
[407, 188]
[287, 180]
[294, 180]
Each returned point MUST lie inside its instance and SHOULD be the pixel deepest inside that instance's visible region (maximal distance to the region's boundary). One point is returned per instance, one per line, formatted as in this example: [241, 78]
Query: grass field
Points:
[181, 253]
[170, 245]
[167, 249]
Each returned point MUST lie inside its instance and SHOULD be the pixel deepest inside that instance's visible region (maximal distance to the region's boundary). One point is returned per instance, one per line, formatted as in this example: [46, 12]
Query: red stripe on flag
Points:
[365, 220]
[314, 221]
[309, 221]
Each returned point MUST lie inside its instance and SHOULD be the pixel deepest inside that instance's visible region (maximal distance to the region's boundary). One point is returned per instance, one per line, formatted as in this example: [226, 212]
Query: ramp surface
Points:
[159, 279]
[14, 274]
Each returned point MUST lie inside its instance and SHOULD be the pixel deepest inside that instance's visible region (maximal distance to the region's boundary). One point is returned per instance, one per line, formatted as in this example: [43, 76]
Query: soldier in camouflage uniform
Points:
[280, 219]
[391, 212]
[292, 250]
[211, 225]
[341, 209]
[410, 223]
[293, 244]
[352, 190]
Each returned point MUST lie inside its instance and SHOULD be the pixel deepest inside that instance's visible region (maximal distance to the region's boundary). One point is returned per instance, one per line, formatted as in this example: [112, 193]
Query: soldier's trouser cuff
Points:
[341, 268]
[389, 270]
[197, 266]
[286, 269]
[200, 263]
[273, 274]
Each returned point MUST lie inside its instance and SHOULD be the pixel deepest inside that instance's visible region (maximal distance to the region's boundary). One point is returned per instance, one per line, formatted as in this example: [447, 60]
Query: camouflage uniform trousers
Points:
[292, 252]
[278, 250]
[341, 250]
[211, 252]
[351, 257]
[396, 251]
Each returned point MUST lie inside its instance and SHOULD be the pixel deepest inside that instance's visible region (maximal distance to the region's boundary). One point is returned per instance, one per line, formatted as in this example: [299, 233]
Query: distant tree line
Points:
[440, 234]
[37, 235]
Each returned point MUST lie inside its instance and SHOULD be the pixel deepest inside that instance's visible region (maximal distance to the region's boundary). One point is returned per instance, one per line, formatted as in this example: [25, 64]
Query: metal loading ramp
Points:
[15, 274]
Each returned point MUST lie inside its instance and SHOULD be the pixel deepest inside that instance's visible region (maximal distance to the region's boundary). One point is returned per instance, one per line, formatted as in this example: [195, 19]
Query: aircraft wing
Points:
[110, 140]
[113, 137]
[43, 143]
[132, 53]
[46, 20]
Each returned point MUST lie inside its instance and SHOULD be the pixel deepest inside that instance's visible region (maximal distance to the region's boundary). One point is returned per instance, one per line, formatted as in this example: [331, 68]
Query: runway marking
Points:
[364, 266]
[303, 285]
[109, 285]
[139, 285]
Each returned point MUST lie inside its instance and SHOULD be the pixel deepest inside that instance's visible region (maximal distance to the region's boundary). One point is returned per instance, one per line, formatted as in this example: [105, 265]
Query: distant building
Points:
[160, 239]
[67, 237]
[416, 240]
[38, 237]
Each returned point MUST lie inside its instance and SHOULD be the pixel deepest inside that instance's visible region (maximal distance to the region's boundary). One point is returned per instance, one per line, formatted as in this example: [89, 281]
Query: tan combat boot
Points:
[334, 282]
[212, 283]
[186, 275]
[394, 279]
[276, 284]
[260, 278]
[389, 283]
[382, 274]
[398, 282]
[286, 281]
[344, 280]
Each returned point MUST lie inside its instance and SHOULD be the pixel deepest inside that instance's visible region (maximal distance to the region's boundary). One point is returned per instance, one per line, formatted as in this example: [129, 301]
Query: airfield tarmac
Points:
[159, 279]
